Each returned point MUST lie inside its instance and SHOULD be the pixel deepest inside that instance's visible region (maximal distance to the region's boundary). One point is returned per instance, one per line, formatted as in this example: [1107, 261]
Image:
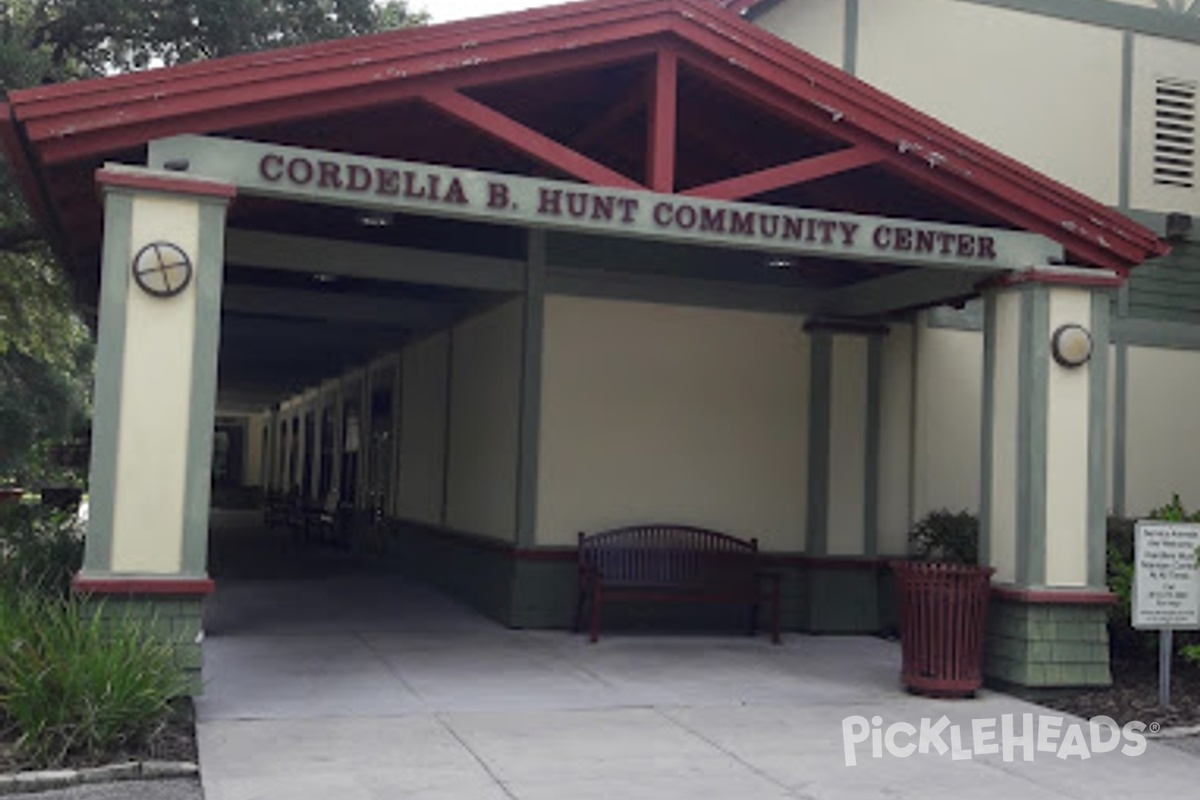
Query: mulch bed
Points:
[1134, 695]
[176, 741]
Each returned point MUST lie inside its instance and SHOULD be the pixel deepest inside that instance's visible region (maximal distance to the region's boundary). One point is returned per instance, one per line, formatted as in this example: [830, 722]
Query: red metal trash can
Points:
[943, 614]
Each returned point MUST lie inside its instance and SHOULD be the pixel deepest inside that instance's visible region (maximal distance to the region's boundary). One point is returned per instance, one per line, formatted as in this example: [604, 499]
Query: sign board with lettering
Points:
[317, 176]
[1166, 581]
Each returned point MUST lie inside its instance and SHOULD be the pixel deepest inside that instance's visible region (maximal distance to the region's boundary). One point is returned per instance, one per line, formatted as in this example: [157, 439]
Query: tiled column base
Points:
[1047, 640]
[172, 609]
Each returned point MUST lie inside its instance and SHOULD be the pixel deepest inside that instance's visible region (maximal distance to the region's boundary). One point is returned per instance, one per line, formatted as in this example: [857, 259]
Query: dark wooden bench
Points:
[673, 564]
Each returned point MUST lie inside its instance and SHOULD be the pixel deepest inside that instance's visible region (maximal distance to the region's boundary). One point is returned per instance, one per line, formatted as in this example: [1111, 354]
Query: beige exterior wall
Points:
[815, 25]
[484, 423]
[847, 446]
[253, 452]
[949, 404]
[1163, 450]
[1152, 59]
[895, 441]
[1002, 543]
[1067, 420]
[423, 430]
[155, 402]
[1005, 77]
[677, 414]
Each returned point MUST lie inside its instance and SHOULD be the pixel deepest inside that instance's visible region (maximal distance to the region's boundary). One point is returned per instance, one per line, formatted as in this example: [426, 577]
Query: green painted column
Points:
[1043, 491]
[843, 476]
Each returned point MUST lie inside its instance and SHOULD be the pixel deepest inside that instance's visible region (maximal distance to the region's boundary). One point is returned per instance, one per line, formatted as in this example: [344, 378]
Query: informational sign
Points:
[1166, 581]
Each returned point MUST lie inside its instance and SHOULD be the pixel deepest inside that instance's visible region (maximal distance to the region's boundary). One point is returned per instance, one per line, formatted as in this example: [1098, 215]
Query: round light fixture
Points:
[1071, 345]
[162, 269]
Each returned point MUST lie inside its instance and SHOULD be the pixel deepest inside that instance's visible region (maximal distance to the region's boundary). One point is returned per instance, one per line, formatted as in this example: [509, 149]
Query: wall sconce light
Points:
[1071, 345]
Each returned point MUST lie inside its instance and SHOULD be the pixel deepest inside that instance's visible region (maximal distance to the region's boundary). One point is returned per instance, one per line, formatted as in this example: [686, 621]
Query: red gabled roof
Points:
[49, 129]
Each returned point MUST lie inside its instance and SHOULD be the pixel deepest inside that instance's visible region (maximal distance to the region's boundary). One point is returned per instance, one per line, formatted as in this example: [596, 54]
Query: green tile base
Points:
[1044, 646]
[176, 620]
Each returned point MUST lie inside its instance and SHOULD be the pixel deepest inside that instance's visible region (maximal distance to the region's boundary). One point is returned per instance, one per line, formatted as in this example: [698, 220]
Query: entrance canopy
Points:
[622, 99]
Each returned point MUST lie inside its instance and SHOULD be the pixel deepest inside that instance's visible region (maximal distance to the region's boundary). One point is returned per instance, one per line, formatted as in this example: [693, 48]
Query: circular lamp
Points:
[1071, 345]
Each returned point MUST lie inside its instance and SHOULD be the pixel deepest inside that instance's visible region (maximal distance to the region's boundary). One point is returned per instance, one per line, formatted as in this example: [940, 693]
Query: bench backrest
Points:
[668, 555]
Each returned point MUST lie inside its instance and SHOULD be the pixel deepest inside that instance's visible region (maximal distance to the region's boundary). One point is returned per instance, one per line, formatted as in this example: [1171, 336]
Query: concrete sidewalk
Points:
[365, 686]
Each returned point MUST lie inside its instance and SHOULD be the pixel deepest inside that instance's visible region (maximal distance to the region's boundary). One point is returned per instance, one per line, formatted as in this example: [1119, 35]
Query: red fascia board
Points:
[363, 55]
[298, 103]
[322, 92]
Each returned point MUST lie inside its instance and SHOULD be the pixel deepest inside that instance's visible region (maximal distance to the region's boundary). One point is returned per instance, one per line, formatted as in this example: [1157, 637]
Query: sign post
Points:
[1166, 587]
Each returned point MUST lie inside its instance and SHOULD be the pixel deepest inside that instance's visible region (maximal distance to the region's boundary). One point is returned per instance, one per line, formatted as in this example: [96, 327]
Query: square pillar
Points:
[155, 392]
[1043, 494]
[841, 583]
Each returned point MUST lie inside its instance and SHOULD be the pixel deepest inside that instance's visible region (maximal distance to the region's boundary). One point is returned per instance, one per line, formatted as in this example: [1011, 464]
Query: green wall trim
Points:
[110, 369]
[816, 535]
[1124, 164]
[1032, 389]
[1119, 334]
[1097, 513]
[850, 39]
[987, 430]
[1109, 14]
[210, 267]
[871, 468]
[530, 413]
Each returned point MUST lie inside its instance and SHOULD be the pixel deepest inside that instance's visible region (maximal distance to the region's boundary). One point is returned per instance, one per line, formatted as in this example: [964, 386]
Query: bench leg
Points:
[579, 609]
[595, 632]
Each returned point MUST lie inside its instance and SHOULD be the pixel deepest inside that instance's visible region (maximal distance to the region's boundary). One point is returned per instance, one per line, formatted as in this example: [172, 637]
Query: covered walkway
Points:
[327, 676]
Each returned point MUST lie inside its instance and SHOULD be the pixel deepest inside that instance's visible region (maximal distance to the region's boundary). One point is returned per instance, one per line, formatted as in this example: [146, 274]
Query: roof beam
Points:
[378, 262]
[663, 110]
[614, 117]
[524, 139]
[797, 172]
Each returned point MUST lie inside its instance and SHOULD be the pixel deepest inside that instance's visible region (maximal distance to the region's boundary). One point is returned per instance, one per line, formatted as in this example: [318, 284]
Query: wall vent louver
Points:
[1175, 132]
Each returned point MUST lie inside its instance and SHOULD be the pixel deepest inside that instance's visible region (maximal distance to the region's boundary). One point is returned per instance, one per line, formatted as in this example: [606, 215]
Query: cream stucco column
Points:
[156, 370]
[1043, 491]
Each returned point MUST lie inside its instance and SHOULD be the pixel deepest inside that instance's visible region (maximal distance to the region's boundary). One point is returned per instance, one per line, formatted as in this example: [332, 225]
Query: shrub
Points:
[945, 535]
[77, 682]
[41, 549]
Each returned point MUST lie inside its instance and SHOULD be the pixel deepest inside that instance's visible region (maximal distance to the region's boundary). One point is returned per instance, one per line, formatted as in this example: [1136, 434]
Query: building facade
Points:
[621, 262]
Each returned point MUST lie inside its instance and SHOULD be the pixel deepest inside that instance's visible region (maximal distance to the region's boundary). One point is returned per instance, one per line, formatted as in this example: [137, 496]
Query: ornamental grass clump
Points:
[77, 682]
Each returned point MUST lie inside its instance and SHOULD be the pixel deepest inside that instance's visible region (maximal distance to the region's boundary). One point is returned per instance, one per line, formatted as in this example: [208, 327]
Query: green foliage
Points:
[41, 549]
[945, 535]
[77, 682]
[102, 36]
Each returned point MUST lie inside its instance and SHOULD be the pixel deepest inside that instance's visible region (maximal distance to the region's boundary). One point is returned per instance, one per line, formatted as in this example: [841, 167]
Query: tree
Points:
[45, 349]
